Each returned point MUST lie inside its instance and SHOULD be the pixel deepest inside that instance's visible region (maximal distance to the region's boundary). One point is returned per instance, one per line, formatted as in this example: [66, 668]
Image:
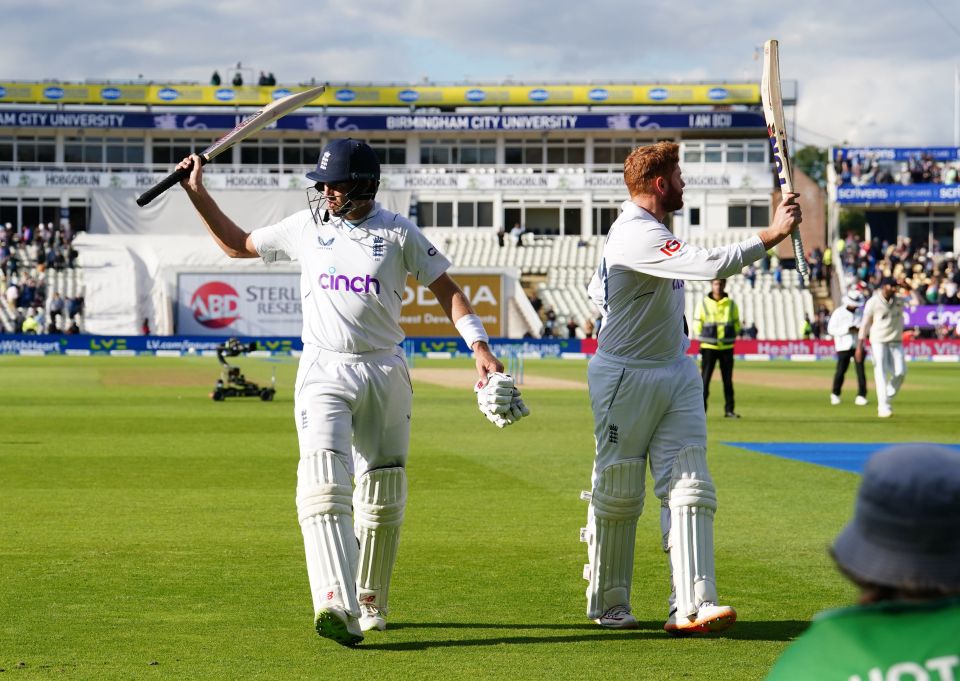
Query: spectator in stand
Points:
[517, 233]
[215, 78]
[74, 306]
[30, 325]
[751, 331]
[145, 327]
[262, 81]
[237, 79]
[74, 327]
[588, 329]
[271, 79]
[56, 306]
[751, 275]
[901, 550]
[549, 324]
[778, 276]
[572, 327]
[12, 295]
[807, 328]
[816, 264]
[501, 233]
[536, 303]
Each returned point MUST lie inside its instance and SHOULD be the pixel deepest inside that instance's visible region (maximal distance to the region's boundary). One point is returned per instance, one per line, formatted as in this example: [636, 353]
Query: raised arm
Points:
[786, 217]
[229, 237]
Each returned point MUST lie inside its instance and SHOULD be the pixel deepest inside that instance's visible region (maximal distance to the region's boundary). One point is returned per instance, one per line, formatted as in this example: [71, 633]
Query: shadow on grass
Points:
[781, 630]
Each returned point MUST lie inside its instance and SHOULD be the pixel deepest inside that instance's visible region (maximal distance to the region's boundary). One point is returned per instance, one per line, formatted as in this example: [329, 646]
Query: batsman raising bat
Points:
[353, 394]
[647, 399]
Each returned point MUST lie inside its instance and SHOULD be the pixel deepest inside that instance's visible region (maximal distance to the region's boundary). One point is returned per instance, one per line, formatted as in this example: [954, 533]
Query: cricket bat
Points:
[777, 132]
[247, 127]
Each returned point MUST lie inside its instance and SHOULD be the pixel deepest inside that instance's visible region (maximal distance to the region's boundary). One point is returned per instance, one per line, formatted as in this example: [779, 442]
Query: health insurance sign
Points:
[422, 315]
[269, 304]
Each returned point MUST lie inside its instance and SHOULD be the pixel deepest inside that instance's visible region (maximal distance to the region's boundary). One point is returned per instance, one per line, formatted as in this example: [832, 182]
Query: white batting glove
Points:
[517, 408]
[496, 395]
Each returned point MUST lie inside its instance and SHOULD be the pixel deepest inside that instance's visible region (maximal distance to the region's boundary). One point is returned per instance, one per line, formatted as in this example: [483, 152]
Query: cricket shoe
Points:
[618, 617]
[885, 413]
[861, 401]
[372, 618]
[709, 618]
[891, 391]
[338, 625]
[834, 399]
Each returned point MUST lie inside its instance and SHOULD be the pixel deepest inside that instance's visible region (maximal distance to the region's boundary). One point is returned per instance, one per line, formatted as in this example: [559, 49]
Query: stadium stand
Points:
[42, 287]
[569, 262]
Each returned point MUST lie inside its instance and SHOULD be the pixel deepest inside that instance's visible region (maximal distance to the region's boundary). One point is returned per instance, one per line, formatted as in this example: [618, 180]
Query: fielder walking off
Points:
[353, 394]
[647, 399]
[883, 325]
[717, 325]
[844, 327]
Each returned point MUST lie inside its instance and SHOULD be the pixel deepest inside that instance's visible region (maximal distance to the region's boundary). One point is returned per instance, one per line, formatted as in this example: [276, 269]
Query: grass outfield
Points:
[149, 532]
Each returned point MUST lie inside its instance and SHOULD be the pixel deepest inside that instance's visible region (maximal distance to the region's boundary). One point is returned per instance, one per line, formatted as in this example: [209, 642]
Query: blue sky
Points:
[878, 73]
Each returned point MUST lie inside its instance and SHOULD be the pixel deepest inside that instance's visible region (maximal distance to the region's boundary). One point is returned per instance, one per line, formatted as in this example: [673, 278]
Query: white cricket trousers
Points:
[889, 369]
[356, 405]
[644, 410]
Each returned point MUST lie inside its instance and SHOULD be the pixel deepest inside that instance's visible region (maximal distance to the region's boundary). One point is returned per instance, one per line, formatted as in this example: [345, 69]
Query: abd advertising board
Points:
[239, 304]
[423, 316]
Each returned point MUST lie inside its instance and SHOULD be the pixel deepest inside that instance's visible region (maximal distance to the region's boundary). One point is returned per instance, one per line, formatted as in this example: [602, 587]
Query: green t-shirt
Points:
[891, 641]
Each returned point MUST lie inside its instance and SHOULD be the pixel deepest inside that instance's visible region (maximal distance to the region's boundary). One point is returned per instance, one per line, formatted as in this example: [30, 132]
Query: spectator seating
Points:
[66, 281]
[569, 262]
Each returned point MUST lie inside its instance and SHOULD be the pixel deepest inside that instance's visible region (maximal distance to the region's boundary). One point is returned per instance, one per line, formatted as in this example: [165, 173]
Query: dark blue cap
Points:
[346, 159]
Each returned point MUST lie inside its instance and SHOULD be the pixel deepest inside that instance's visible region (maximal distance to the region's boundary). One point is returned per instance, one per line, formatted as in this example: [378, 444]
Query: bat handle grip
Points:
[798, 254]
[173, 178]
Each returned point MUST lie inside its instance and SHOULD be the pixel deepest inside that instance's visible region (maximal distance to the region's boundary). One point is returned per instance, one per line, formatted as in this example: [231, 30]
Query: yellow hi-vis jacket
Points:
[717, 323]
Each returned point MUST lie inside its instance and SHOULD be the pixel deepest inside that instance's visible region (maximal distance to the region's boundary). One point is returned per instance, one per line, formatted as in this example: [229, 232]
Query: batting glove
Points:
[517, 408]
[496, 395]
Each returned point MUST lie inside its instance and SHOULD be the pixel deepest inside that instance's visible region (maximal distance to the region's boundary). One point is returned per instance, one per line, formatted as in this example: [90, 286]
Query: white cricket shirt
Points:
[352, 276]
[883, 319]
[841, 321]
[639, 285]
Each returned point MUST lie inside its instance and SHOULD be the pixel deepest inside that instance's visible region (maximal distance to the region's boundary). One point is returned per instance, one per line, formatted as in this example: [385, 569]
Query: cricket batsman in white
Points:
[647, 399]
[353, 394]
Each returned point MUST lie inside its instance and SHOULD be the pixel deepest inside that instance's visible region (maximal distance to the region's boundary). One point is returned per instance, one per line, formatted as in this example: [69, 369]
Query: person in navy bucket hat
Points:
[902, 550]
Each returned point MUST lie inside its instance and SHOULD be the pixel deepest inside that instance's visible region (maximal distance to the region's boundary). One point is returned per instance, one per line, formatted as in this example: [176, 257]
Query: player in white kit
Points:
[647, 399]
[353, 393]
[883, 325]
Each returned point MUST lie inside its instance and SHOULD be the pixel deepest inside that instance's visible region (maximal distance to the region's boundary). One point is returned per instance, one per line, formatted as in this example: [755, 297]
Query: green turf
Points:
[148, 532]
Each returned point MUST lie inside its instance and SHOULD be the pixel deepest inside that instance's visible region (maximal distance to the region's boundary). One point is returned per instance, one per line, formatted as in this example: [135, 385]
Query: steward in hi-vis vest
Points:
[717, 325]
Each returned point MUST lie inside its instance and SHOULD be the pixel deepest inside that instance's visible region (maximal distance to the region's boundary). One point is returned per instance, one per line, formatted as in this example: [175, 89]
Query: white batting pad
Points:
[379, 500]
[615, 504]
[324, 509]
[693, 502]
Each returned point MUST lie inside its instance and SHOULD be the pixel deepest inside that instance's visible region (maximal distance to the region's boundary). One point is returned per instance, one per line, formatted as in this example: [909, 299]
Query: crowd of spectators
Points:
[920, 168]
[928, 275]
[27, 257]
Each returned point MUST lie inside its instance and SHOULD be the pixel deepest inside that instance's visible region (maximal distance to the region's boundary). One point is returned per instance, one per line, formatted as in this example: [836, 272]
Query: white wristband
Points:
[471, 329]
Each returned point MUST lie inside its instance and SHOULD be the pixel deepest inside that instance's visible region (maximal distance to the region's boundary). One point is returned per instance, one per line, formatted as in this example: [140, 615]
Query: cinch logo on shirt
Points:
[215, 305]
[331, 281]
